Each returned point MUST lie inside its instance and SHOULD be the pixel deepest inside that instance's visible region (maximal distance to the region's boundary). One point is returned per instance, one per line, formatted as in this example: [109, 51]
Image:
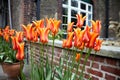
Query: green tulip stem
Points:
[86, 58]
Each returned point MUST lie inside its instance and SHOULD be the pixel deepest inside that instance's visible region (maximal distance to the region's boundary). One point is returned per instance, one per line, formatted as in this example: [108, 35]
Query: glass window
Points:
[74, 3]
[72, 7]
[83, 6]
[65, 11]
[65, 1]
[73, 13]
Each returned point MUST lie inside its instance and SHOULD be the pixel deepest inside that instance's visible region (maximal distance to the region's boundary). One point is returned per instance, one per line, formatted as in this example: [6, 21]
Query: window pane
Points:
[65, 27]
[74, 20]
[74, 3]
[89, 16]
[65, 11]
[65, 1]
[73, 13]
[89, 23]
[83, 13]
[83, 6]
[64, 21]
[89, 8]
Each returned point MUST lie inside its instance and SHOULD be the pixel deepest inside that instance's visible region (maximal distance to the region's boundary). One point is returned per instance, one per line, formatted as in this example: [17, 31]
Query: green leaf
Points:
[49, 76]
[8, 60]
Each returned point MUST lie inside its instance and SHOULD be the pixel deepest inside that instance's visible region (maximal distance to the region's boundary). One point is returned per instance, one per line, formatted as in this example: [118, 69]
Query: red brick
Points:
[95, 65]
[94, 72]
[111, 61]
[97, 58]
[109, 69]
[87, 76]
[109, 77]
[95, 78]
[82, 62]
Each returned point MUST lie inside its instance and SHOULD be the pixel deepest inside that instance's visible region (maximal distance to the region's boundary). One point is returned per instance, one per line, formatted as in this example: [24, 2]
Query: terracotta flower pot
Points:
[12, 70]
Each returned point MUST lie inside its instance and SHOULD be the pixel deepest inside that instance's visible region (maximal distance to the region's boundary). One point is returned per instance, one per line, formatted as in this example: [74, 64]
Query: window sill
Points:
[111, 51]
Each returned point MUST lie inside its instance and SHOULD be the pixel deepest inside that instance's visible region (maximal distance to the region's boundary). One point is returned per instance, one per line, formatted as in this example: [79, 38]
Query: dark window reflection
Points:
[64, 20]
[74, 20]
[65, 1]
[73, 13]
[74, 3]
[83, 6]
[65, 11]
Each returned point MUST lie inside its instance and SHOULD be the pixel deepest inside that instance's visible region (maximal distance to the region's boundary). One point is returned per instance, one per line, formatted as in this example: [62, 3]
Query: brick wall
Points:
[29, 11]
[103, 68]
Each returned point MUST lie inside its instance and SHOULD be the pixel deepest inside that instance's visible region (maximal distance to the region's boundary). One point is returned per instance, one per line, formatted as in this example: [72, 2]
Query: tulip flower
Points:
[6, 37]
[80, 20]
[14, 42]
[11, 32]
[93, 37]
[70, 26]
[96, 26]
[28, 31]
[19, 35]
[77, 57]
[78, 37]
[81, 47]
[98, 44]
[43, 32]
[39, 24]
[55, 24]
[20, 52]
[35, 37]
[86, 36]
[68, 42]
[1, 33]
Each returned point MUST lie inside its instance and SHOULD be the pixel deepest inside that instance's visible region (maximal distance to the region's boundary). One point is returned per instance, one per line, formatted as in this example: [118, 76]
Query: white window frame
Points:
[79, 10]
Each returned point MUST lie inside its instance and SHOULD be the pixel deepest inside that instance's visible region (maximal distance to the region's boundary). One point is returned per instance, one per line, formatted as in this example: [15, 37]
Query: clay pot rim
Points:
[12, 63]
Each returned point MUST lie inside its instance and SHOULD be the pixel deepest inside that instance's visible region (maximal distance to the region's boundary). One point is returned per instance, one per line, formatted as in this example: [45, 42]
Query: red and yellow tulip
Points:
[55, 24]
[70, 27]
[80, 20]
[28, 31]
[43, 32]
[96, 26]
[68, 42]
[20, 52]
[98, 44]
[77, 57]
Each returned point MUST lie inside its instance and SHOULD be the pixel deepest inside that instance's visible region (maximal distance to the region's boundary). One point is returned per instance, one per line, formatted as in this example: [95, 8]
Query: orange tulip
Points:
[78, 37]
[82, 46]
[55, 24]
[35, 37]
[20, 52]
[11, 32]
[1, 33]
[77, 57]
[70, 26]
[19, 35]
[6, 30]
[14, 42]
[6, 37]
[80, 20]
[43, 32]
[48, 23]
[98, 44]
[96, 26]
[93, 37]
[28, 31]
[86, 36]
[64, 43]
[39, 24]
[68, 42]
